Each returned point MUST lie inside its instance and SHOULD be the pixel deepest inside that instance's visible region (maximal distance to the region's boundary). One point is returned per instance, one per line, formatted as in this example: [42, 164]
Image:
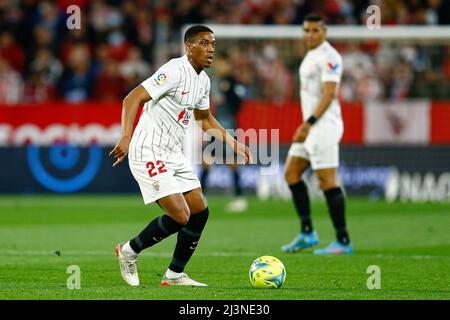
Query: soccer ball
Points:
[267, 272]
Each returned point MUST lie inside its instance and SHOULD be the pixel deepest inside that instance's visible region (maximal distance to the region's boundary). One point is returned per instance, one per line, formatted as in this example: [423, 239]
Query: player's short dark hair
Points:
[190, 33]
[315, 17]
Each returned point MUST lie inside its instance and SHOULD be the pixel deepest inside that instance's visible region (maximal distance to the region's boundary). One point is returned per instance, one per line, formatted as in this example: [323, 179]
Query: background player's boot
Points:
[335, 247]
[182, 280]
[237, 205]
[128, 267]
[302, 241]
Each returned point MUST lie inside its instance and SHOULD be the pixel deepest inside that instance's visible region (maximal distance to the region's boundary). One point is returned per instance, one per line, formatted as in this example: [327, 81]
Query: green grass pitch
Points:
[41, 236]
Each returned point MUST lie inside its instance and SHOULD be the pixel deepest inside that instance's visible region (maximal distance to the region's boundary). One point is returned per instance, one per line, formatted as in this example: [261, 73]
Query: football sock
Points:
[336, 207]
[187, 240]
[301, 201]
[157, 230]
[237, 183]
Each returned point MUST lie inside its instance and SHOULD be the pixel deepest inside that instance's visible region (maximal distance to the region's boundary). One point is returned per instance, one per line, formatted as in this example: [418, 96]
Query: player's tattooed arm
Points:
[328, 94]
[130, 107]
[210, 125]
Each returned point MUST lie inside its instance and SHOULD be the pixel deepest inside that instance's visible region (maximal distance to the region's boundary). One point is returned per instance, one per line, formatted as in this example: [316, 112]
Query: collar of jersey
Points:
[186, 61]
[317, 48]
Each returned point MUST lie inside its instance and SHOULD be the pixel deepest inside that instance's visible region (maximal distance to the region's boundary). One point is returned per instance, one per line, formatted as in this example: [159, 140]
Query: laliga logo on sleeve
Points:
[161, 78]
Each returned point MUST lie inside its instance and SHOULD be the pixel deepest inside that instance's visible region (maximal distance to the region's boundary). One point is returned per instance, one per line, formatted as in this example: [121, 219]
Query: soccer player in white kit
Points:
[316, 140]
[171, 96]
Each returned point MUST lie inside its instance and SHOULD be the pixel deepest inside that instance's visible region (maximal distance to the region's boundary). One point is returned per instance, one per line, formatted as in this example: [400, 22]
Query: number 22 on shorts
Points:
[151, 166]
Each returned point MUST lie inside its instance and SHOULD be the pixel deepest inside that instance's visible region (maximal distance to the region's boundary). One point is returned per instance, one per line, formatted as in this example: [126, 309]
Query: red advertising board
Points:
[100, 122]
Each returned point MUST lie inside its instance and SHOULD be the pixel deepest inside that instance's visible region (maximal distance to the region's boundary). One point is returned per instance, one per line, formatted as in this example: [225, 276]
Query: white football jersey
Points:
[176, 89]
[321, 64]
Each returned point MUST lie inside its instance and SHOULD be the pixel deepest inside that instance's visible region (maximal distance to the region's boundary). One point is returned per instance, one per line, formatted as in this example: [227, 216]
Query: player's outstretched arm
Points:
[208, 122]
[328, 94]
[130, 107]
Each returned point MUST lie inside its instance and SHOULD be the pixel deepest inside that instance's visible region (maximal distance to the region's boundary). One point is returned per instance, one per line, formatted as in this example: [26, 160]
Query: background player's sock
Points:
[301, 201]
[157, 230]
[203, 177]
[336, 207]
[237, 183]
[187, 240]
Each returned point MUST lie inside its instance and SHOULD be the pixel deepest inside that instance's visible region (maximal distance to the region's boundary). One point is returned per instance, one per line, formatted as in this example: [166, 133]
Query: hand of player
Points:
[120, 151]
[302, 132]
[244, 151]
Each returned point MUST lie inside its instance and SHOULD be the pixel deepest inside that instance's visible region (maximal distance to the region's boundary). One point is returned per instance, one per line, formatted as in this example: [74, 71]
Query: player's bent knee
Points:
[326, 185]
[198, 220]
[181, 216]
[291, 177]
[184, 220]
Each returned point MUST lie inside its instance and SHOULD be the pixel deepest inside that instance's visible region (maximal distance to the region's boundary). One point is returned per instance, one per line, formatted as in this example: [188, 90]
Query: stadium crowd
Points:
[120, 43]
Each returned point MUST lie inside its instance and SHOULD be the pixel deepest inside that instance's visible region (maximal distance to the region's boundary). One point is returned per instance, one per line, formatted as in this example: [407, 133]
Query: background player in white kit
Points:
[316, 140]
[178, 90]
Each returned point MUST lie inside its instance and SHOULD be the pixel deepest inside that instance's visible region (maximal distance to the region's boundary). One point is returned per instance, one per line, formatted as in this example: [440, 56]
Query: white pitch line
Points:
[105, 253]
[210, 254]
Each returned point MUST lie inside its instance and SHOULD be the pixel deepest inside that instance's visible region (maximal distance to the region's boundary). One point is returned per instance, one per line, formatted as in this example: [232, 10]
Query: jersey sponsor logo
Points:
[161, 78]
[333, 67]
[184, 117]
[181, 115]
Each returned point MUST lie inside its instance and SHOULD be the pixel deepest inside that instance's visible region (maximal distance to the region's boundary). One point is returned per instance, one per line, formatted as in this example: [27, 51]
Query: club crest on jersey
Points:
[161, 78]
[184, 117]
[156, 185]
[333, 67]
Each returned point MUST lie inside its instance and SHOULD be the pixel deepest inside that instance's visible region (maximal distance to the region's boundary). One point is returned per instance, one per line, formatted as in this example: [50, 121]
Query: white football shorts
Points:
[158, 179]
[321, 147]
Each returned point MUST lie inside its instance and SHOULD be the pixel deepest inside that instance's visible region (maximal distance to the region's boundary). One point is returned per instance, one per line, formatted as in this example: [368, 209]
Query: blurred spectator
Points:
[368, 88]
[10, 50]
[102, 17]
[359, 81]
[140, 35]
[43, 38]
[227, 93]
[356, 62]
[77, 81]
[73, 38]
[277, 82]
[12, 18]
[102, 55]
[143, 24]
[38, 88]
[46, 64]
[50, 17]
[11, 84]
[117, 44]
[402, 78]
[134, 66]
[244, 70]
[110, 85]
